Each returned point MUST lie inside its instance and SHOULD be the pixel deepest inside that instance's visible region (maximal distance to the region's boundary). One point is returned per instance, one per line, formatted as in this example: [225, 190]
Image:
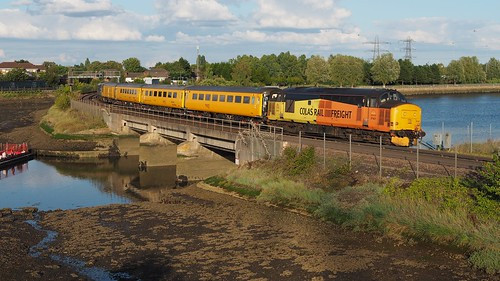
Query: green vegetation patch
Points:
[462, 213]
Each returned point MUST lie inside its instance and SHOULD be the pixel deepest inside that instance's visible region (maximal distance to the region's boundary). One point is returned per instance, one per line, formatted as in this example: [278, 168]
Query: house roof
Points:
[156, 72]
[133, 75]
[23, 65]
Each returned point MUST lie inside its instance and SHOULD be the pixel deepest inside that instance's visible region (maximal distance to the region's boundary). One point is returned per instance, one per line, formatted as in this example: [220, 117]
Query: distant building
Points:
[152, 76]
[29, 67]
[131, 76]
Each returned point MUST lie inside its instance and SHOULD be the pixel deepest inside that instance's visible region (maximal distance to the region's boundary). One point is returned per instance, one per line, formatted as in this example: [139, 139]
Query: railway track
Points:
[441, 158]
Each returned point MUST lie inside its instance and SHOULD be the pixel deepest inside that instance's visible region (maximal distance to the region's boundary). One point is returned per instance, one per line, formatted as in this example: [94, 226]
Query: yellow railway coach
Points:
[228, 101]
[162, 95]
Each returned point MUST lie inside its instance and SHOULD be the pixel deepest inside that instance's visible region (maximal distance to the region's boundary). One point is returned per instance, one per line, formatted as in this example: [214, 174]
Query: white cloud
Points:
[15, 23]
[194, 10]
[106, 29]
[70, 8]
[2, 53]
[488, 37]
[327, 37]
[300, 14]
[155, 38]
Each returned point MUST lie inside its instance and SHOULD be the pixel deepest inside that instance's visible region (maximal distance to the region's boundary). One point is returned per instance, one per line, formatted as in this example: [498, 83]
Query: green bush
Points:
[296, 163]
[443, 192]
[63, 101]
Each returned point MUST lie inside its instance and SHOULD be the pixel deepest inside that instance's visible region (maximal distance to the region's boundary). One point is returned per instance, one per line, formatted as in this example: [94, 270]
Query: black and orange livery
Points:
[365, 114]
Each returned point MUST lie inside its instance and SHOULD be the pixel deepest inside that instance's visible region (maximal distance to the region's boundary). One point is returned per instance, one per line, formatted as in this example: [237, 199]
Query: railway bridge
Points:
[249, 141]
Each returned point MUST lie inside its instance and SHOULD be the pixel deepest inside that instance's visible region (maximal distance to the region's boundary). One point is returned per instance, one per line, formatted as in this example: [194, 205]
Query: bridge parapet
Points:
[248, 140]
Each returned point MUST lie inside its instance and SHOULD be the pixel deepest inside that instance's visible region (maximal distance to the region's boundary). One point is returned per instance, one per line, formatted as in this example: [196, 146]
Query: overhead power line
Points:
[408, 48]
[376, 47]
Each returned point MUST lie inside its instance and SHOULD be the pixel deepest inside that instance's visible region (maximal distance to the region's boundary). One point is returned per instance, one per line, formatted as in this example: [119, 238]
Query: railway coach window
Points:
[195, 96]
[214, 97]
[207, 97]
[222, 98]
[229, 98]
[246, 99]
[253, 100]
[175, 95]
[155, 93]
[169, 94]
[201, 96]
[237, 99]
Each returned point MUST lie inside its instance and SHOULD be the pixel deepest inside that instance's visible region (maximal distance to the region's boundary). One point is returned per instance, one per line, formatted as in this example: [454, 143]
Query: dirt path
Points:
[201, 235]
[19, 122]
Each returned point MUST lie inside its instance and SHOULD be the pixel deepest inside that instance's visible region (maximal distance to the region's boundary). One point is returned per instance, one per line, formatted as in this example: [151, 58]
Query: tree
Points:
[17, 74]
[222, 69]
[455, 71]
[316, 70]
[345, 70]
[385, 69]
[473, 72]
[112, 65]
[133, 65]
[406, 71]
[53, 73]
[242, 70]
[492, 68]
[87, 63]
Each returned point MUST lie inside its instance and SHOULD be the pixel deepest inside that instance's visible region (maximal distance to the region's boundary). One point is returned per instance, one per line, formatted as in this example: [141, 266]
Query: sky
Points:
[69, 31]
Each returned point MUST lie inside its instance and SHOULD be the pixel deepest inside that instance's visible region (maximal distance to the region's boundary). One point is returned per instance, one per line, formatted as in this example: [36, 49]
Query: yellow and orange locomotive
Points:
[365, 114]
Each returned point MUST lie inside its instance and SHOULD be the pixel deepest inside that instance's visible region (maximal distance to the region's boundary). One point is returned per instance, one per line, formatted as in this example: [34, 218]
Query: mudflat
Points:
[195, 234]
[20, 122]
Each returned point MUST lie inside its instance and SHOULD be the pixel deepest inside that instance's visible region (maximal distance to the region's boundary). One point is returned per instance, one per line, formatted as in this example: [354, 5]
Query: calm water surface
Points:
[56, 184]
[457, 112]
[52, 184]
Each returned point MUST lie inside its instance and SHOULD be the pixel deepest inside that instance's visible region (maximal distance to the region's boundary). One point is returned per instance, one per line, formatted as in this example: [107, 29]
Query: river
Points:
[457, 112]
[50, 184]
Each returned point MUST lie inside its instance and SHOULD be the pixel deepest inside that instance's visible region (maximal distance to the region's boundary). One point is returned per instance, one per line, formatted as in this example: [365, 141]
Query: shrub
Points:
[63, 101]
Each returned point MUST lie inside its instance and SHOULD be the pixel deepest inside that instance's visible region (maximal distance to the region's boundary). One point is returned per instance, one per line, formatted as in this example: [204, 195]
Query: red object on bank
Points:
[8, 150]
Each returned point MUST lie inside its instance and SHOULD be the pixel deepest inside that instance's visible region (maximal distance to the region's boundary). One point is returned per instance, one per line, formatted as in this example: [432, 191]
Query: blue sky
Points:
[69, 31]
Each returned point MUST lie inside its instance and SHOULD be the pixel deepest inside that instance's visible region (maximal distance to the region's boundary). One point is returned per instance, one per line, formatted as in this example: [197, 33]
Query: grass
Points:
[23, 94]
[440, 210]
[487, 148]
[66, 122]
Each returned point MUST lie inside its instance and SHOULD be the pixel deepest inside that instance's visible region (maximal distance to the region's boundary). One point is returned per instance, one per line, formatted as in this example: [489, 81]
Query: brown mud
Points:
[195, 234]
[19, 122]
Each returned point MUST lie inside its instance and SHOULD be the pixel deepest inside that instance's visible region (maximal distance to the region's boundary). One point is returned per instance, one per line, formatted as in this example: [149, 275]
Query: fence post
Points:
[380, 158]
[418, 154]
[300, 141]
[350, 151]
[471, 137]
[324, 150]
[456, 156]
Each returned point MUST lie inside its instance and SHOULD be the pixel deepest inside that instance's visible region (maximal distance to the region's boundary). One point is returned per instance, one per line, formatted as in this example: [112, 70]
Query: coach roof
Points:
[336, 91]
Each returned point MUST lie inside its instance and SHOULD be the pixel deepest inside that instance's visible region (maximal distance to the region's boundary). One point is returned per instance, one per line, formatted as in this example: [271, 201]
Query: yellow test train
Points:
[365, 114]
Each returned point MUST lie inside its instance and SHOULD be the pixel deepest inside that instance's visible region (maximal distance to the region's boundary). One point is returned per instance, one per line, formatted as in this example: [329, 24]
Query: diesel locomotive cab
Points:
[405, 118]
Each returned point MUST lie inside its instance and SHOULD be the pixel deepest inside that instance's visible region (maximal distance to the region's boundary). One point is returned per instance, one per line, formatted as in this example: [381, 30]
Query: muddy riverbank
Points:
[20, 119]
[194, 234]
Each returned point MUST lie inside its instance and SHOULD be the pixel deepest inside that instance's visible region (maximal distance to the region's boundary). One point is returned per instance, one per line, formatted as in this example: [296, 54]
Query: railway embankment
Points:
[462, 213]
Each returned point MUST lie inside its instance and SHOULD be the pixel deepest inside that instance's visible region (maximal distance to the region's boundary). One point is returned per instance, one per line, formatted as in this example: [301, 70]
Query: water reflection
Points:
[52, 184]
[17, 169]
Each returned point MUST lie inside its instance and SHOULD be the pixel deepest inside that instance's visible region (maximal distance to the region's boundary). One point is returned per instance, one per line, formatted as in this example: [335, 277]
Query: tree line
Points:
[286, 69]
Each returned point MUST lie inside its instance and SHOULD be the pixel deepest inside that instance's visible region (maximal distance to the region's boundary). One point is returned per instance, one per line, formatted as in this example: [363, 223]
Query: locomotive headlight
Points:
[414, 115]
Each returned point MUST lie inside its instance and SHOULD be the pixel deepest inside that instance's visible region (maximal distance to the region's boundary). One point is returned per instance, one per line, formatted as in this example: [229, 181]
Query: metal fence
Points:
[233, 126]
